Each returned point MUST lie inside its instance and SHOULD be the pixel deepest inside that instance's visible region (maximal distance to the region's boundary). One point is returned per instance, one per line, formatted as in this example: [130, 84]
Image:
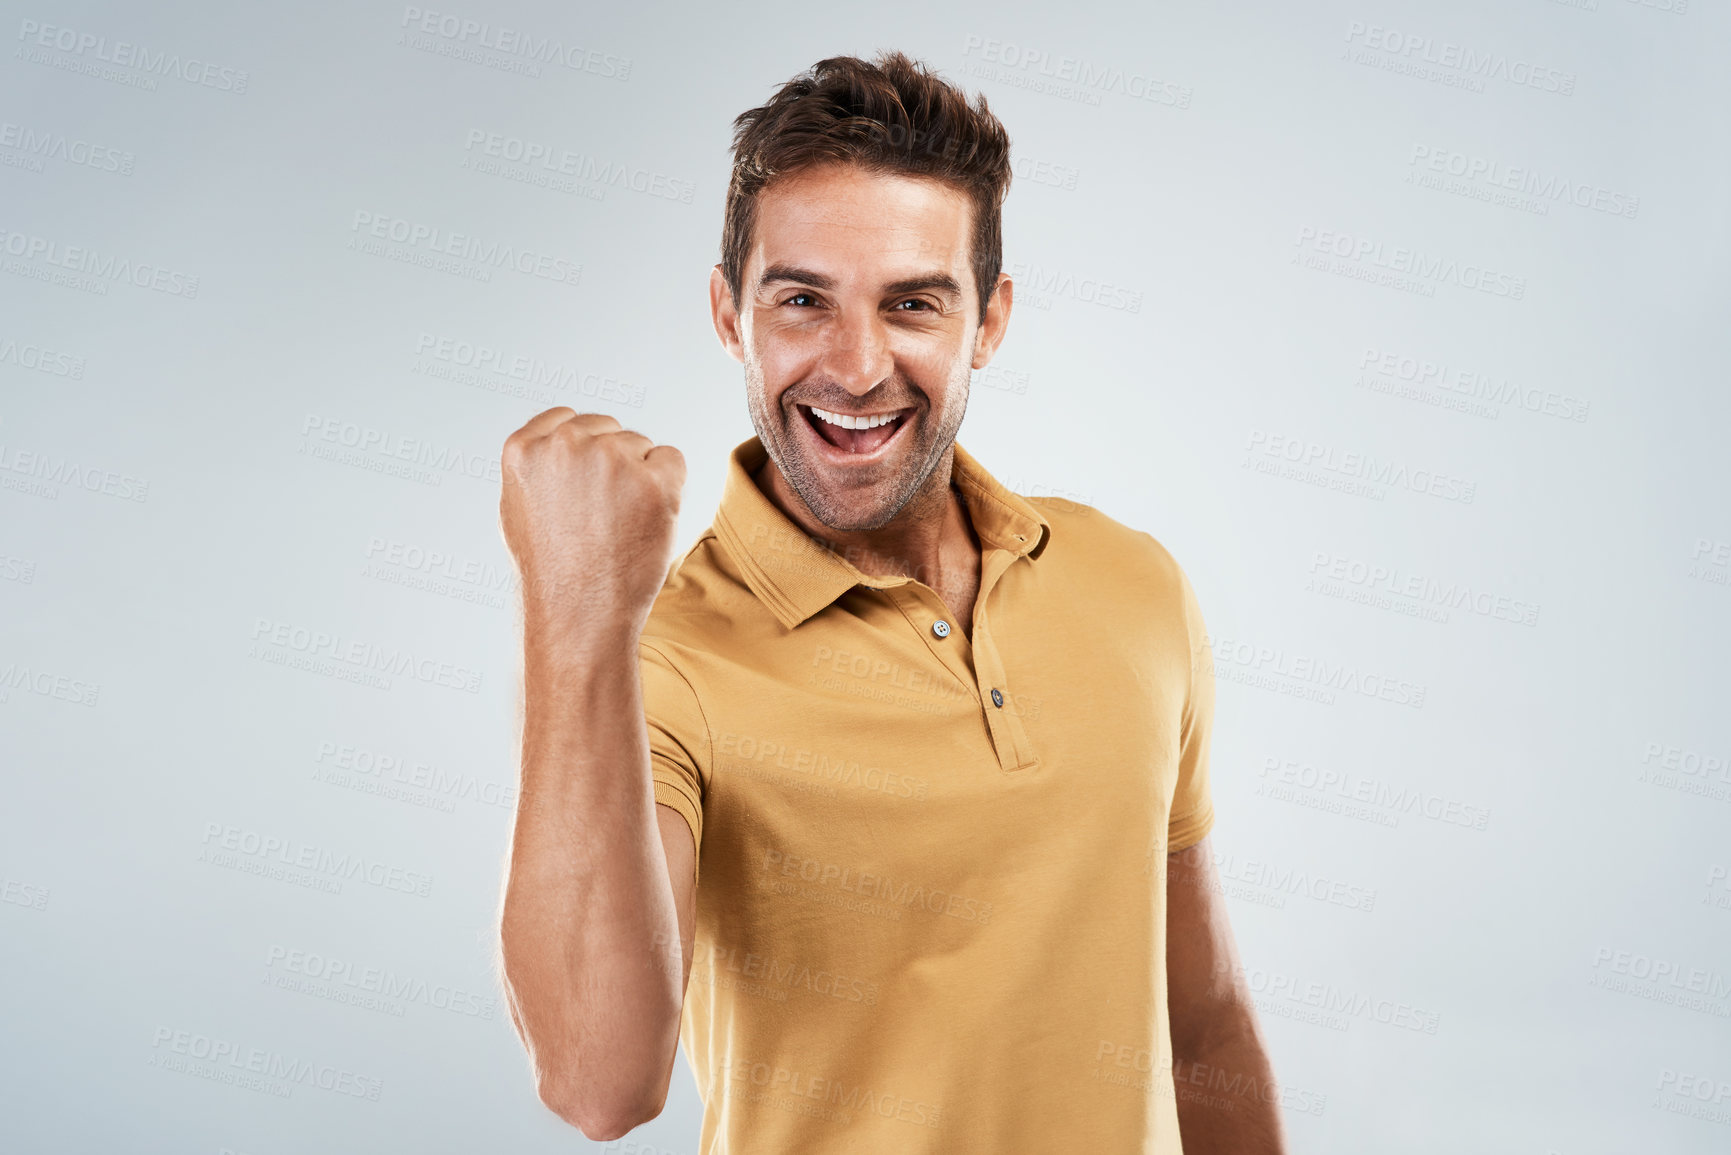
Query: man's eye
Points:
[922, 305]
[799, 297]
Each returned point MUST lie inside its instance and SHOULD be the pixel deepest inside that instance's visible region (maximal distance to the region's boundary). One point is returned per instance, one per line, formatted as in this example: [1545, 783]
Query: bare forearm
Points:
[1228, 1101]
[588, 896]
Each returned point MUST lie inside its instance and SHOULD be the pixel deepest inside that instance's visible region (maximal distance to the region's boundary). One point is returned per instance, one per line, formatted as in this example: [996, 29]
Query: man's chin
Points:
[849, 500]
[849, 508]
[852, 493]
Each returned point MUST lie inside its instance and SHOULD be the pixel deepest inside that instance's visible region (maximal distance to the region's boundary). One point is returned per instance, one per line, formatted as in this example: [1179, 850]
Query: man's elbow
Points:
[599, 1121]
[1214, 1026]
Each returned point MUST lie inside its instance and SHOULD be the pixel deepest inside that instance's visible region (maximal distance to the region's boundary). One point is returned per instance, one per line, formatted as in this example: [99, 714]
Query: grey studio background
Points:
[1402, 325]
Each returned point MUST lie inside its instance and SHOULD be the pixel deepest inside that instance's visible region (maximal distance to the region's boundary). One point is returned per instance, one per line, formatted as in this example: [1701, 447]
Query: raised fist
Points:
[589, 511]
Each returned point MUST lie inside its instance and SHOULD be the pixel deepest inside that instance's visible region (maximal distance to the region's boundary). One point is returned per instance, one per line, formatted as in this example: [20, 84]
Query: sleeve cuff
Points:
[1183, 833]
[675, 793]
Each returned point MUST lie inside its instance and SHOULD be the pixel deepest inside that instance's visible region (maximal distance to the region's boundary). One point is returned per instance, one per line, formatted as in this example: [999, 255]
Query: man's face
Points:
[858, 307]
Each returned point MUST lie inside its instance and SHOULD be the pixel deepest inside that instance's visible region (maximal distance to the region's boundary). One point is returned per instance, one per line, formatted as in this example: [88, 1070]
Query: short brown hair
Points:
[888, 115]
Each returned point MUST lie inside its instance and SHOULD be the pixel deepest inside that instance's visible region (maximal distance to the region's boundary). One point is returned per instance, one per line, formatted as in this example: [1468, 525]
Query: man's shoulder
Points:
[704, 590]
[1092, 542]
[1122, 578]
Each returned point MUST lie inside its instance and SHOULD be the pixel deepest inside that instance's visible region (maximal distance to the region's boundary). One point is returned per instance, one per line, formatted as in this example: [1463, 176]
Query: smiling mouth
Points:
[857, 434]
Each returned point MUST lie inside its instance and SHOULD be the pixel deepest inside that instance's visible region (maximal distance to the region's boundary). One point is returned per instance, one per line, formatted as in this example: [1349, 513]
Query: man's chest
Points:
[866, 770]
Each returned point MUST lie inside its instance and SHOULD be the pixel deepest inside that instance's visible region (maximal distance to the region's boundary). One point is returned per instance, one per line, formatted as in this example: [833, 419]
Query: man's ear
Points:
[991, 332]
[725, 315]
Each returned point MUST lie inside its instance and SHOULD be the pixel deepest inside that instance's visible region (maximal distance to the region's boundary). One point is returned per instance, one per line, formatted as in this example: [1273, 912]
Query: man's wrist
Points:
[575, 651]
[564, 621]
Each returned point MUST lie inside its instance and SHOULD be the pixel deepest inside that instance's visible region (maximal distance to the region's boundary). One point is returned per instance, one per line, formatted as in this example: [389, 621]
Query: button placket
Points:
[975, 664]
[949, 645]
[1015, 752]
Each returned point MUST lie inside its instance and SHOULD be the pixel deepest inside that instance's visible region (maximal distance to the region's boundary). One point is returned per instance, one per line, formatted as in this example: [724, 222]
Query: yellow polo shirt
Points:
[931, 899]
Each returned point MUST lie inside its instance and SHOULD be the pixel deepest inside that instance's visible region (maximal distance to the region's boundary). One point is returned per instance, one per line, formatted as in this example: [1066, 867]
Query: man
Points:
[891, 799]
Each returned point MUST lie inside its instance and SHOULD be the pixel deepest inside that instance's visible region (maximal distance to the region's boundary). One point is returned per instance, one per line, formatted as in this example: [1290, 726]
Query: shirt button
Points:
[941, 628]
[997, 697]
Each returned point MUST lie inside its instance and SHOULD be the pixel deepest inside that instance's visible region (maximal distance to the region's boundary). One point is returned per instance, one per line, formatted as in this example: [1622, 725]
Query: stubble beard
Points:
[787, 451]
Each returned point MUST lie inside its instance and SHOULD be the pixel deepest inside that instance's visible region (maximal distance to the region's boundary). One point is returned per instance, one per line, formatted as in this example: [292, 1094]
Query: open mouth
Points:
[858, 435]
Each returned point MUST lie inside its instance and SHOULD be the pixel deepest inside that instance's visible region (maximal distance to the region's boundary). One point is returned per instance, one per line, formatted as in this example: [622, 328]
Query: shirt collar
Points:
[796, 576]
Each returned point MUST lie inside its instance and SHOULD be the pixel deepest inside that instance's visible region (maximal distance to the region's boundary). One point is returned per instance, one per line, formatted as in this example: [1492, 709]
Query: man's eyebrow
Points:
[795, 274]
[942, 282]
[775, 274]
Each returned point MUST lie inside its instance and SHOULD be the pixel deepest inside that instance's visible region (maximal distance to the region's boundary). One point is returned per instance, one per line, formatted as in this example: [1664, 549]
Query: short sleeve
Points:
[678, 738]
[1192, 814]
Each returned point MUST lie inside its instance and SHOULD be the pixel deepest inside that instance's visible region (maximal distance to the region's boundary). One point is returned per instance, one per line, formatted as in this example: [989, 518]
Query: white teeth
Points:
[847, 422]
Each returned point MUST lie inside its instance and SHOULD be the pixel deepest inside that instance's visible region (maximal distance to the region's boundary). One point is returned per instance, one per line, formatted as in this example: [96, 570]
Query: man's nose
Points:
[858, 354]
